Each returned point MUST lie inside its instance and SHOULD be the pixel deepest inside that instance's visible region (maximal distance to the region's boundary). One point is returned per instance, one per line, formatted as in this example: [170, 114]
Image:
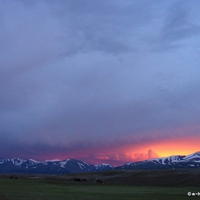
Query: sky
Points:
[103, 81]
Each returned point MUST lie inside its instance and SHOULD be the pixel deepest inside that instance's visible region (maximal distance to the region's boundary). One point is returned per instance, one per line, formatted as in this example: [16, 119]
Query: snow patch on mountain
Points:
[63, 163]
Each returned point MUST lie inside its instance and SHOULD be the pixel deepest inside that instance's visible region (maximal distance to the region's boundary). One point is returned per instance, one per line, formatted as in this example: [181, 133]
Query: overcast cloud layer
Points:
[80, 75]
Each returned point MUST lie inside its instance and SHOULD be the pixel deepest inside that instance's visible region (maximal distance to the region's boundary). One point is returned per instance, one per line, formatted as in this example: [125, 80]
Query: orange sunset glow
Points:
[176, 146]
[135, 152]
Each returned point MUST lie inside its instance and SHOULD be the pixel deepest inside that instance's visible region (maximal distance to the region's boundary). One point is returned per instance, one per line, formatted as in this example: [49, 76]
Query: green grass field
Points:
[42, 188]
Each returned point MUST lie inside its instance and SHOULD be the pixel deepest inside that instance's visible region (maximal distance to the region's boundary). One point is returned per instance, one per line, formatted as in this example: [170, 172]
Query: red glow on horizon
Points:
[180, 143]
[139, 152]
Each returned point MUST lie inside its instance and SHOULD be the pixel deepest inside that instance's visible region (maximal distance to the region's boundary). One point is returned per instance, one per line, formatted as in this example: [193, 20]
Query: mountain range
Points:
[17, 165]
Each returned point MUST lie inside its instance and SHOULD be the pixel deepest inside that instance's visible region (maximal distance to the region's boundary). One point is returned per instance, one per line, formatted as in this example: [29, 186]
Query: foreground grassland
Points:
[45, 188]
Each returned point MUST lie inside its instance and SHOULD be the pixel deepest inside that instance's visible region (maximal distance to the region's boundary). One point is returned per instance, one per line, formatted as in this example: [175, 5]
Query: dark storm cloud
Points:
[80, 74]
[178, 25]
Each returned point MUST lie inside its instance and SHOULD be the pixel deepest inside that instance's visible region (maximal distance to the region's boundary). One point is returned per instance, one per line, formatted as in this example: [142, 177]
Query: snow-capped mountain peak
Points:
[17, 165]
[104, 166]
[175, 161]
[192, 157]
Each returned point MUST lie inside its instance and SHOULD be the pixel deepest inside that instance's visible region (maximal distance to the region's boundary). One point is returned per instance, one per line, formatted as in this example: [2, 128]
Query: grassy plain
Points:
[45, 188]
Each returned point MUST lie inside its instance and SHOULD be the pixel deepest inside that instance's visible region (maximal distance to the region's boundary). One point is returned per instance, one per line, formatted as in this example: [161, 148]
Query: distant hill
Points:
[17, 165]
